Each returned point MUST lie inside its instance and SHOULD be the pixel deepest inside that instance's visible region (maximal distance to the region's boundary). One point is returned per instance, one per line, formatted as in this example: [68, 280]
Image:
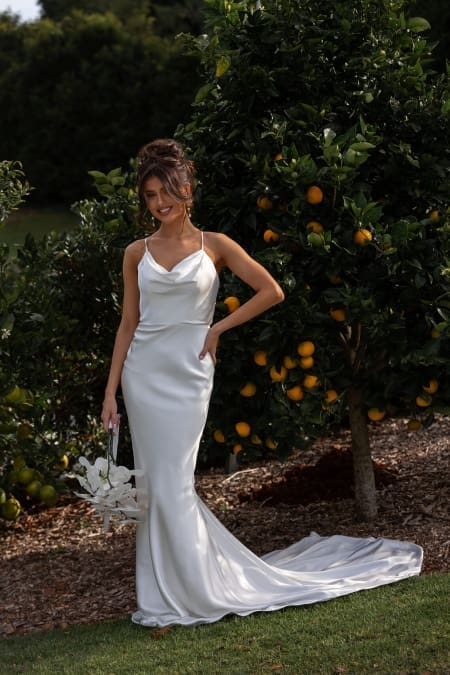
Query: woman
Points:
[189, 568]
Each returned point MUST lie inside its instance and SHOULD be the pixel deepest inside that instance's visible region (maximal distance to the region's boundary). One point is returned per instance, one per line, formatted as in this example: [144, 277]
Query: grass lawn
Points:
[38, 222]
[402, 628]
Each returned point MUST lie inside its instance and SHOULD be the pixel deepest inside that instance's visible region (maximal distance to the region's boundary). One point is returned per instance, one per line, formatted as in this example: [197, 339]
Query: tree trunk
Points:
[365, 492]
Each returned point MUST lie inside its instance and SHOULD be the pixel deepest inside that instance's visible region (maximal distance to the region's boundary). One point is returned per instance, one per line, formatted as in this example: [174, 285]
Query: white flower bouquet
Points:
[108, 487]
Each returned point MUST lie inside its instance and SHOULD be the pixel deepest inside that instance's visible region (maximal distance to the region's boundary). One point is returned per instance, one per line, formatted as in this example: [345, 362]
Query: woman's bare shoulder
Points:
[135, 250]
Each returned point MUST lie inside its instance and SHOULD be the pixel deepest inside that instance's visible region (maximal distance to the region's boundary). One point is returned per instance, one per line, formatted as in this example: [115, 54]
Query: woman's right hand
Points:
[110, 417]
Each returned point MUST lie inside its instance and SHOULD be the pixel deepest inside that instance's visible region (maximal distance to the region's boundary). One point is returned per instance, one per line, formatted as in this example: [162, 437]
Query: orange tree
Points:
[320, 136]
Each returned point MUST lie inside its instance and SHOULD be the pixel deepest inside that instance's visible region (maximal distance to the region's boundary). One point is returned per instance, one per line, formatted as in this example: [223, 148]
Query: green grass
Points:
[38, 222]
[401, 628]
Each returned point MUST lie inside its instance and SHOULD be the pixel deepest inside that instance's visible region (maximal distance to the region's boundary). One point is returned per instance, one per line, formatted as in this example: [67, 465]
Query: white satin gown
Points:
[189, 568]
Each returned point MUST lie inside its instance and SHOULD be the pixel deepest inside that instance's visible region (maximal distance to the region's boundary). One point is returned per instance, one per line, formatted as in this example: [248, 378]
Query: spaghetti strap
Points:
[145, 244]
[201, 232]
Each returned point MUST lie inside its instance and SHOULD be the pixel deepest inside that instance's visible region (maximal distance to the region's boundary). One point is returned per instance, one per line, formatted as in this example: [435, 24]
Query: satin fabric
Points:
[189, 568]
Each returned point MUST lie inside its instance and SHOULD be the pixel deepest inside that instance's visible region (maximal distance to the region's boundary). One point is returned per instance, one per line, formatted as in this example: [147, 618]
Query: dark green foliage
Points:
[340, 95]
[86, 92]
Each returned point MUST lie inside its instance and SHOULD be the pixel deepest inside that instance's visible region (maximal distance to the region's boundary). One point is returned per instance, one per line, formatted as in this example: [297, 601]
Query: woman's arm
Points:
[267, 291]
[125, 332]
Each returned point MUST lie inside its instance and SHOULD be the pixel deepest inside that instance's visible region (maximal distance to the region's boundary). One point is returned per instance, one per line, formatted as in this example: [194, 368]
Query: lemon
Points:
[260, 358]
[243, 429]
[435, 333]
[48, 495]
[255, 439]
[19, 462]
[63, 463]
[33, 489]
[271, 444]
[2, 496]
[10, 510]
[237, 448]
[25, 475]
[248, 390]
[414, 425]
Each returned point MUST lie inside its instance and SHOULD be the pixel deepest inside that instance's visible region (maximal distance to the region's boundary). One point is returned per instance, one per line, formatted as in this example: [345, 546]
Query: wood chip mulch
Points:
[59, 567]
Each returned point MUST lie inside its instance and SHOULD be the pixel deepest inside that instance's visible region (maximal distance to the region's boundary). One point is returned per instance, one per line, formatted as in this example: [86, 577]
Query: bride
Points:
[189, 568]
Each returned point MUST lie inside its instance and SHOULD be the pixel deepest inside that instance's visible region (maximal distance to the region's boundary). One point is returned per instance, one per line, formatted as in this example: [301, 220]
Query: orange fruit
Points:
[255, 439]
[337, 314]
[232, 303]
[431, 387]
[248, 390]
[260, 358]
[335, 279]
[423, 400]
[278, 375]
[218, 436]
[375, 414]
[295, 393]
[362, 237]
[237, 448]
[434, 216]
[311, 381]
[243, 429]
[278, 157]
[264, 203]
[314, 195]
[270, 235]
[306, 348]
[314, 226]
[435, 333]
[414, 425]
[289, 362]
[306, 362]
[331, 395]
[271, 444]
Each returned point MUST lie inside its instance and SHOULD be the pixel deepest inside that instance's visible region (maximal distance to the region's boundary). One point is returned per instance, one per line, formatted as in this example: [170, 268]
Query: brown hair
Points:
[164, 159]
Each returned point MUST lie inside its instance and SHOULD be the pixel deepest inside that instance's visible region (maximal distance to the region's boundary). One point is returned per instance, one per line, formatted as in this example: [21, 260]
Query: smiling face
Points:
[160, 203]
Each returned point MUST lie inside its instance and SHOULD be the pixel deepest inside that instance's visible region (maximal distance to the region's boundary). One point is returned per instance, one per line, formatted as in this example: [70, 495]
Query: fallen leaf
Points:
[159, 632]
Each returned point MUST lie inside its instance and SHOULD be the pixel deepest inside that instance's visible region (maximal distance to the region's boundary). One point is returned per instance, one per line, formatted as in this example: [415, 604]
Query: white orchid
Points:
[108, 489]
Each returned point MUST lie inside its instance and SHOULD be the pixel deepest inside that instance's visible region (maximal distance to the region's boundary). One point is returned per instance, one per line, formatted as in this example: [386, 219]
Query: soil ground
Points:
[59, 567]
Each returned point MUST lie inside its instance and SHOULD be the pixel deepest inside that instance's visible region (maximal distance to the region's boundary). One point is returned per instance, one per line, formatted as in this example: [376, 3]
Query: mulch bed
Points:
[59, 567]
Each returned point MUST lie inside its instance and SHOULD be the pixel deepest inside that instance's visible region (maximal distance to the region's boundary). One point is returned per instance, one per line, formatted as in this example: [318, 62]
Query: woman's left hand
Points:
[210, 344]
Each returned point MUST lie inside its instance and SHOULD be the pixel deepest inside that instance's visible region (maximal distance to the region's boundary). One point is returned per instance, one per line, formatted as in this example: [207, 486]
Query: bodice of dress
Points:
[185, 294]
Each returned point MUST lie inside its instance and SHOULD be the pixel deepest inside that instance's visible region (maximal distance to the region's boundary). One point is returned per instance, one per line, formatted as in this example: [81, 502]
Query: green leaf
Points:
[418, 24]
[222, 65]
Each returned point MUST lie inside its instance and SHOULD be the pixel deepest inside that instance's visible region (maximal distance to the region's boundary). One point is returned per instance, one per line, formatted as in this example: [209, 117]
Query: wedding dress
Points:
[189, 568]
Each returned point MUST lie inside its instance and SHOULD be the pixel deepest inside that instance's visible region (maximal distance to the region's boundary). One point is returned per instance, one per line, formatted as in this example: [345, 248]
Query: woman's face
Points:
[161, 205]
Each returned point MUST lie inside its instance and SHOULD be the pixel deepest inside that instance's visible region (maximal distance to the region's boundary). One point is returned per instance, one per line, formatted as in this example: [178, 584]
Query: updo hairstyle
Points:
[164, 159]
